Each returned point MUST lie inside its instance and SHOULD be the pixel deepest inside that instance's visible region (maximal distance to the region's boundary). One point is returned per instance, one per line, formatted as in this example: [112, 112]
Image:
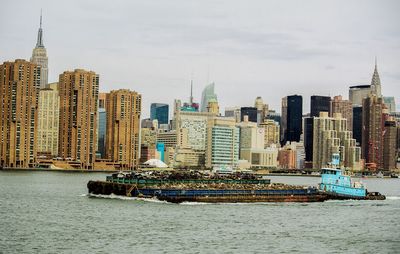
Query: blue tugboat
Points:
[339, 186]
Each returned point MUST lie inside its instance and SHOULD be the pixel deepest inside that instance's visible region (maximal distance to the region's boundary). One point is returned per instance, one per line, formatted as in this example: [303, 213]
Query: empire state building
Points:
[39, 56]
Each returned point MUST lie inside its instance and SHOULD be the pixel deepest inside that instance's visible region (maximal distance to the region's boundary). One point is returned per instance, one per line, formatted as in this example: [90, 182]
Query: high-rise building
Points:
[222, 143]
[273, 115]
[213, 107]
[233, 112]
[390, 145]
[358, 93]
[79, 90]
[252, 145]
[271, 129]
[291, 118]
[190, 106]
[123, 127]
[207, 95]
[262, 109]
[170, 138]
[48, 120]
[102, 100]
[101, 132]
[390, 104]
[357, 123]
[160, 112]
[331, 136]
[19, 91]
[195, 123]
[39, 57]
[308, 130]
[344, 107]
[319, 104]
[101, 126]
[376, 82]
[372, 130]
[251, 112]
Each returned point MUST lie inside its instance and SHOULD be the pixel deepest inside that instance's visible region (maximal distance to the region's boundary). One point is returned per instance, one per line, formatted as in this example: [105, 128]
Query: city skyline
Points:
[241, 48]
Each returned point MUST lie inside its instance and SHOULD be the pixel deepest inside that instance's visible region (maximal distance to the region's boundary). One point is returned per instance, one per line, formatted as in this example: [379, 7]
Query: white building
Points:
[48, 111]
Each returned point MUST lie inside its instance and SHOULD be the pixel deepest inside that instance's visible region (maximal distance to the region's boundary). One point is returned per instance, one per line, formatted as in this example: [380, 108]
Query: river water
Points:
[50, 212]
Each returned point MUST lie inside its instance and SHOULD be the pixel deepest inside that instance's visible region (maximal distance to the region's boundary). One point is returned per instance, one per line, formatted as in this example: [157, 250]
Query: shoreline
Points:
[61, 170]
[113, 170]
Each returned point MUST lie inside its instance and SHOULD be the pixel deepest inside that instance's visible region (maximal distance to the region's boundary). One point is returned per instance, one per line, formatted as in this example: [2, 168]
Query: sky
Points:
[247, 48]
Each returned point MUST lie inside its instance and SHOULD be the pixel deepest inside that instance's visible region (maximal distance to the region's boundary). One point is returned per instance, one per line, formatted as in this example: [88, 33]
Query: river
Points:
[50, 212]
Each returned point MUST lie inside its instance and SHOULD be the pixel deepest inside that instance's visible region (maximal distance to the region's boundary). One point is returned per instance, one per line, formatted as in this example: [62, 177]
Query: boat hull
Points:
[245, 198]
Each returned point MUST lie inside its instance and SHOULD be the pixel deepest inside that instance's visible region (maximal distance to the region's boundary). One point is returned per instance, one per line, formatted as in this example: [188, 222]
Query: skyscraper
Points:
[101, 132]
[79, 91]
[372, 130]
[344, 107]
[358, 93]
[376, 81]
[213, 107]
[319, 104]
[390, 104]
[390, 145]
[123, 126]
[291, 119]
[160, 112]
[222, 143]
[39, 56]
[251, 112]
[101, 125]
[357, 123]
[308, 131]
[207, 94]
[271, 129]
[19, 90]
[261, 108]
[48, 120]
[331, 136]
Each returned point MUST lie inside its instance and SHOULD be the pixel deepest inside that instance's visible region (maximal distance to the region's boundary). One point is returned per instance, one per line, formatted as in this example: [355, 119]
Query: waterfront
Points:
[49, 212]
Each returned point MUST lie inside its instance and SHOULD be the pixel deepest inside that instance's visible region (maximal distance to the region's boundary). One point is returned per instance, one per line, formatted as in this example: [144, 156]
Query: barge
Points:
[177, 188]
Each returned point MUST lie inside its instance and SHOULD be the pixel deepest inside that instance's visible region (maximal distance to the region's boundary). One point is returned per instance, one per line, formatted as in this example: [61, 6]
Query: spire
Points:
[376, 81]
[191, 92]
[39, 43]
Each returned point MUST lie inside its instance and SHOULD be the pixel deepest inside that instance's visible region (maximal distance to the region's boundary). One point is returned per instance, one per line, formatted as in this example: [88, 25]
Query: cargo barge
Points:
[178, 187]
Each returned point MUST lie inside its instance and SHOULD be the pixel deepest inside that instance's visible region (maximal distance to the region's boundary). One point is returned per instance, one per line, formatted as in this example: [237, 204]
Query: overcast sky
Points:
[248, 48]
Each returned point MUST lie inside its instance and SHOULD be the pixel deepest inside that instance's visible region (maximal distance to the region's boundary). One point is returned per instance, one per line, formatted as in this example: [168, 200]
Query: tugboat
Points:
[339, 186]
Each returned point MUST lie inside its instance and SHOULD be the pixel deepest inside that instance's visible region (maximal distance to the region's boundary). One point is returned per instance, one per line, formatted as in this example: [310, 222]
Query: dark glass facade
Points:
[101, 141]
[308, 137]
[249, 111]
[291, 119]
[357, 123]
[319, 104]
[160, 112]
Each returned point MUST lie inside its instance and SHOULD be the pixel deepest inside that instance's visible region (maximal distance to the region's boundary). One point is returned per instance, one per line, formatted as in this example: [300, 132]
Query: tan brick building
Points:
[19, 88]
[123, 109]
[78, 91]
[344, 107]
[372, 130]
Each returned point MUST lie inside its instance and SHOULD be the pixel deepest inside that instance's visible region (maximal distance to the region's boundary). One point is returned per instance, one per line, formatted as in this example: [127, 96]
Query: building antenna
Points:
[191, 90]
[40, 17]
